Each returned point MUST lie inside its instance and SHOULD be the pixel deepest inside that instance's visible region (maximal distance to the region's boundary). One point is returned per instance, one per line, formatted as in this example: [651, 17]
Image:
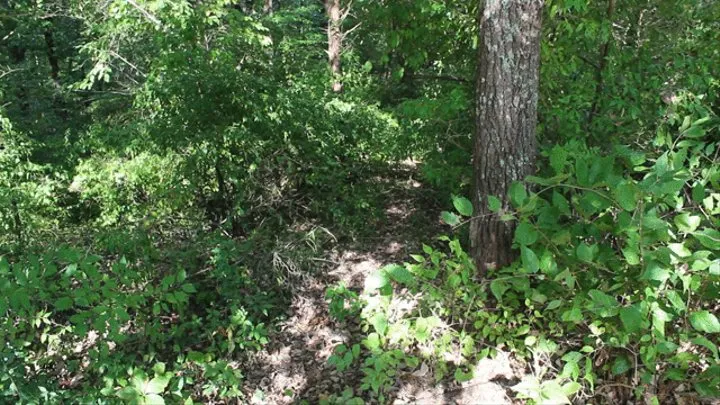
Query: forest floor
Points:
[294, 365]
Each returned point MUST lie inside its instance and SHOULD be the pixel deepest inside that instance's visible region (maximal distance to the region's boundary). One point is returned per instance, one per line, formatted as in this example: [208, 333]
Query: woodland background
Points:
[185, 185]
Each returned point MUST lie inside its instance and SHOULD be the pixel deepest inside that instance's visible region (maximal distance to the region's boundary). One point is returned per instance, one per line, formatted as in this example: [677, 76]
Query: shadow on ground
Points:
[294, 366]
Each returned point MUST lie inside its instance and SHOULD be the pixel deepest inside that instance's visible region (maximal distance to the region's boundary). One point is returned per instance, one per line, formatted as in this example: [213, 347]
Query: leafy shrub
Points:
[619, 254]
[27, 189]
[142, 189]
[76, 321]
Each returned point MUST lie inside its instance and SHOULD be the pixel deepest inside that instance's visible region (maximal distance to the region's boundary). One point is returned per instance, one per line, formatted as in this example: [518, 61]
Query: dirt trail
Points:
[294, 365]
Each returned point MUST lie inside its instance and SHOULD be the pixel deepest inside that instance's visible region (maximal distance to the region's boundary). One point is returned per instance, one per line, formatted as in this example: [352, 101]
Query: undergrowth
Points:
[617, 279]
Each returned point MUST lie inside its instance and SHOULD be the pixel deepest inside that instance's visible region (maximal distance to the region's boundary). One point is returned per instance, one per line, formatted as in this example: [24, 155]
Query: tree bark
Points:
[52, 56]
[506, 117]
[268, 7]
[335, 38]
[604, 53]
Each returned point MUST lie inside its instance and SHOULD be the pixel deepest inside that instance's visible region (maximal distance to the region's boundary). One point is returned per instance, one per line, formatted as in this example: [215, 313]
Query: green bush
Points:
[73, 321]
[619, 254]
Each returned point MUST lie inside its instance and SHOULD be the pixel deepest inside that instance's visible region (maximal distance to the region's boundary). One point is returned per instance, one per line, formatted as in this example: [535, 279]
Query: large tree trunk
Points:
[335, 38]
[506, 115]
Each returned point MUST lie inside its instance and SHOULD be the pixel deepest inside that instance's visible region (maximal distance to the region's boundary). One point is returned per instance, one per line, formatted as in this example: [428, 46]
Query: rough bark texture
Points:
[506, 115]
[335, 37]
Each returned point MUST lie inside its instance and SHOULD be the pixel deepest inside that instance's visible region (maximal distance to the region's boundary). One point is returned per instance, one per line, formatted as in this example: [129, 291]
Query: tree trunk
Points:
[506, 118]
[52, 56]
[604, 53]
[335, 38]
[268, 7]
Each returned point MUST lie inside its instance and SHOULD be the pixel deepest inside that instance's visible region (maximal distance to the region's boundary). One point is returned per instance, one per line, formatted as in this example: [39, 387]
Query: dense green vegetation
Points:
[173, 173]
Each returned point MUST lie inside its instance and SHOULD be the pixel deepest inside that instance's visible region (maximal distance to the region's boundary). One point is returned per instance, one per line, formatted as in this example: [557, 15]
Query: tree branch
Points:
[145, 13]
[450, 78]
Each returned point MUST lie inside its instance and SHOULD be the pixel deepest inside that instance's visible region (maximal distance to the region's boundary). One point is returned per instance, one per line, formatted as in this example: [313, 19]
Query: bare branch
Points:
[127, 62]
[9, 72]
[145, 13]
[346, 12]
[346, 33]
[450, 78]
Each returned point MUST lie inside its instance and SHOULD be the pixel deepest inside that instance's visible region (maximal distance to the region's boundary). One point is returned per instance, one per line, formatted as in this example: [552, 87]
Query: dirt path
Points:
[294, 365]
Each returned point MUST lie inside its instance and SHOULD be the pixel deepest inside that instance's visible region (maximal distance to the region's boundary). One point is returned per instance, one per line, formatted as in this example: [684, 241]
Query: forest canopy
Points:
[359, 201]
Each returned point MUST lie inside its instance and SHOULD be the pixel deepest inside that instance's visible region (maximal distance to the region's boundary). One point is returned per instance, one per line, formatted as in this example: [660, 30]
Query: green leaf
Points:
[153, 399]
[450, 218]
[679, 250]
[573, 315]
[656, 272]
[518, 194]
[130, 394]
[554, 304]
[666, 347]
[687, 223]
[157, 385]
[525, 234]
[558, 158]
[461, 376]
[494, 203]
[710, 238]
[706, 343]
[552, 393]
[582, 172]
[159, 368]
[626, 195]
[376, 281]
[424, 327]
[498, 288]
[372, 342]
[571, 388]
[698, 193]
[561, 203]
[632, 255]
[529, 259]
[694, 132]
[380, 322]
[704, 321]
[603, 304]
[63, 303]
[631, 318]
[463, 206]
[399, 274]
[585, 252]
[621, 365]
[662, 164]
[675, 300]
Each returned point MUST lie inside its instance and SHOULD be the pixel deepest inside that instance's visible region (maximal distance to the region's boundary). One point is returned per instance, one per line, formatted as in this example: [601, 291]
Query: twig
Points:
[442, 77]
[10, 71]
[145, 13]
[127, 62]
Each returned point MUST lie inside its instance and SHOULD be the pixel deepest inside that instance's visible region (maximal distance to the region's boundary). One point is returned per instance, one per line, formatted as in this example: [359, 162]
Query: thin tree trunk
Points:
[18, 225]
[604, 52]
[506, 118]
[268, 7]
[335, 38]
[52, 56]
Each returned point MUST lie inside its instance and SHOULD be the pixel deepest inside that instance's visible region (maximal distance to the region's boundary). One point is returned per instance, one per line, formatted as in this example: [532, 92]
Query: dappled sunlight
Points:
[295, 363]
[341, 202]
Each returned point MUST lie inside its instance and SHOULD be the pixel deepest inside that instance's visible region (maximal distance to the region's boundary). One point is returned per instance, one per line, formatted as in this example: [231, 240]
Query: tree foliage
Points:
[170, 172]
